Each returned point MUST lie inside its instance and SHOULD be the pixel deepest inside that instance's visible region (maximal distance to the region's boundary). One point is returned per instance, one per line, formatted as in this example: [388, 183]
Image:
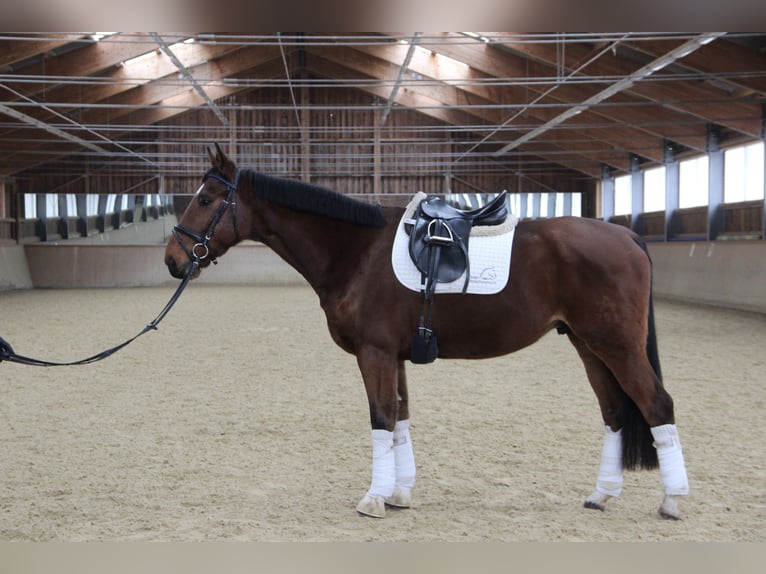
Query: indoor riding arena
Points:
[239, 417]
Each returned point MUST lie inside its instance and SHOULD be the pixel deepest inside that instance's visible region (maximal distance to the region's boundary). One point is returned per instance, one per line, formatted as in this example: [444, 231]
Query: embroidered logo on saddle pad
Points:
[489, 251]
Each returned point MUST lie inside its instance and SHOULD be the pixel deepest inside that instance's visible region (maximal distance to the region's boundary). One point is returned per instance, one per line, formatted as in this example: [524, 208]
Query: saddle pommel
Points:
[493, 213]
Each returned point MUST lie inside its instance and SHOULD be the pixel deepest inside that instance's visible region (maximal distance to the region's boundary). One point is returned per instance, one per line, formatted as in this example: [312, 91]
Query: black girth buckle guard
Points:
[197, 254]
[439, 248]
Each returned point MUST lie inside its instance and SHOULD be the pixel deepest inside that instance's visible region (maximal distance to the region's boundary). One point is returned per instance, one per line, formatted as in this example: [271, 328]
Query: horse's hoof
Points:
[596, 501]
[401, 498]
[373, 506]
[669, 508]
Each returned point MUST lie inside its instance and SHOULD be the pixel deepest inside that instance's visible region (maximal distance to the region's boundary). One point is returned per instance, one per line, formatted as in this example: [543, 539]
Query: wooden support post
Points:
[636, 193]
[233, 133]
[715, 183]
[82, 214]
[448, 174]
[305, 134]
[42, 216]
[63, 216]
[763, 139]
[376, 180]
[101, 218]
[19, 213]
[672, 187]
[607, 193]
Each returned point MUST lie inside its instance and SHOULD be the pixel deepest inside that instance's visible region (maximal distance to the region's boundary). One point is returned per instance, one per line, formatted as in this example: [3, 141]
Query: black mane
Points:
[314, 199]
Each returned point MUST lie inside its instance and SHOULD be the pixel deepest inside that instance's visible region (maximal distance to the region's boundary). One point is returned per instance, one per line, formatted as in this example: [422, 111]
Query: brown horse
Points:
[588, 279]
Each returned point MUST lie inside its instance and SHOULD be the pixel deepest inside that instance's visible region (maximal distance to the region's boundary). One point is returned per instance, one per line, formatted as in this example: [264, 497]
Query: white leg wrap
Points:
[383, 464]
[671, 457]
[610, 473]
[404, 455]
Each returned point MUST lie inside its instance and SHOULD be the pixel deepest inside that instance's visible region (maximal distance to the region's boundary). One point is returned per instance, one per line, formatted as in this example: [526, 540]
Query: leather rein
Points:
[198, 253]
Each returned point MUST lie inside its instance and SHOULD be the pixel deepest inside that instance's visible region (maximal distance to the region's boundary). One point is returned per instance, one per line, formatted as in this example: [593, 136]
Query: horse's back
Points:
[575, 247]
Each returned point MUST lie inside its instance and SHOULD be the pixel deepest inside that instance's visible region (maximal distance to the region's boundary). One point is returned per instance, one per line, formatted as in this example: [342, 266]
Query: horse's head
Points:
[209, 225]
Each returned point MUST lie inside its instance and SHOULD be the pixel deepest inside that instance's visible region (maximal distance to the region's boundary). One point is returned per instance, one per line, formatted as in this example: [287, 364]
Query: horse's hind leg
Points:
[638, 379]
[610, 400]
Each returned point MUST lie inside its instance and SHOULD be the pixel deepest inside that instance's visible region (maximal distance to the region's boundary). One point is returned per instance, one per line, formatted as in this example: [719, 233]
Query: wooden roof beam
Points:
[152, 93]
[122, 79]
[722, 57]
[461, 79]
[335, 64]
[88, 60]
[15, 48]
[182, 102]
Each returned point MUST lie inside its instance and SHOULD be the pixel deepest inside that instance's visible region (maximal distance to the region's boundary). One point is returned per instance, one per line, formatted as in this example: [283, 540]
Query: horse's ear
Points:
[217, 157]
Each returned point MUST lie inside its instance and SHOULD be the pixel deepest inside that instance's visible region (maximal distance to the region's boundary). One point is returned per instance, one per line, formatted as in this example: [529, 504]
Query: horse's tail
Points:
[637, 442]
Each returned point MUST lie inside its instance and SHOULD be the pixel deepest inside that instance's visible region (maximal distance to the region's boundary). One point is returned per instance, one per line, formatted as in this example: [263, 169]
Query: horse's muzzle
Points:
[179, 272]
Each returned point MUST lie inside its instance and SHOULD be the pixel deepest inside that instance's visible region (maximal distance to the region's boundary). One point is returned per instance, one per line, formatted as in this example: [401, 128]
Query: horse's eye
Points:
[204, 201]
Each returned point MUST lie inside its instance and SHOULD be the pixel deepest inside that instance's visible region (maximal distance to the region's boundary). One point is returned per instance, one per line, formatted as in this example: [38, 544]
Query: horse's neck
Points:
[324, 251]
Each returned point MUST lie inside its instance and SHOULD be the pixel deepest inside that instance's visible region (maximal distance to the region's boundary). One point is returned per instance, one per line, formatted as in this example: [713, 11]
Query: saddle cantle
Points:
[438, 247]
[440, 233]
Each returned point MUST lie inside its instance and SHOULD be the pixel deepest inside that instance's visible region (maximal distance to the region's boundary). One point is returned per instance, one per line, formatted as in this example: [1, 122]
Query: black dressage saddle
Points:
[438, 246]
[440, 233]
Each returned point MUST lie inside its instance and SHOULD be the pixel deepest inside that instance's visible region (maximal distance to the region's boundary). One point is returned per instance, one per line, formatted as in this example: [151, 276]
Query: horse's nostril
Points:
[172, 267]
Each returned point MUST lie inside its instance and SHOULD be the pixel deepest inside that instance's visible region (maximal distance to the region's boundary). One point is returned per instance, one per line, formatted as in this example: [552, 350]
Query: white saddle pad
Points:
[489, 252]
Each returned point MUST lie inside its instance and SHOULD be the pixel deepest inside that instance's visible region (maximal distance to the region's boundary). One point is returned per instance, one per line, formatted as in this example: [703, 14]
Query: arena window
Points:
[622, 195]
[30, 205]
[51, 205]
[91, 204]
[693, 182]
[654, 189]
[744, 173]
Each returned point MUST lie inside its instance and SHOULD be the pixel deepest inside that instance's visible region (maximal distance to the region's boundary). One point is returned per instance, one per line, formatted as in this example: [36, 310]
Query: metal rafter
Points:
[50, 129]
[402, 72]
[165, 47]
[625, 83]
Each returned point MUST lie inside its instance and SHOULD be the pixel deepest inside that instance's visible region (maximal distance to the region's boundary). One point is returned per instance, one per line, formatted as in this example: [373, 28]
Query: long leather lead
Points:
[7, 353]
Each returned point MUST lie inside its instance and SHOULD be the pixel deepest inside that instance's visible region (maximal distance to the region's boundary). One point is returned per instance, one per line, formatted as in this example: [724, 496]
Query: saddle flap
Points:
[452, 256]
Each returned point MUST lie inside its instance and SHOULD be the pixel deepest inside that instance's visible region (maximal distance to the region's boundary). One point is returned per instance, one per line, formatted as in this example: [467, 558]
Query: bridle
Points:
[200, 250]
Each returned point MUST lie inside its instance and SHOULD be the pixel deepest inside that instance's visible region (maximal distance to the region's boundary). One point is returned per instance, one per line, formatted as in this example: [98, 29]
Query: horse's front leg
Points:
[380, 371]
[403, 453]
